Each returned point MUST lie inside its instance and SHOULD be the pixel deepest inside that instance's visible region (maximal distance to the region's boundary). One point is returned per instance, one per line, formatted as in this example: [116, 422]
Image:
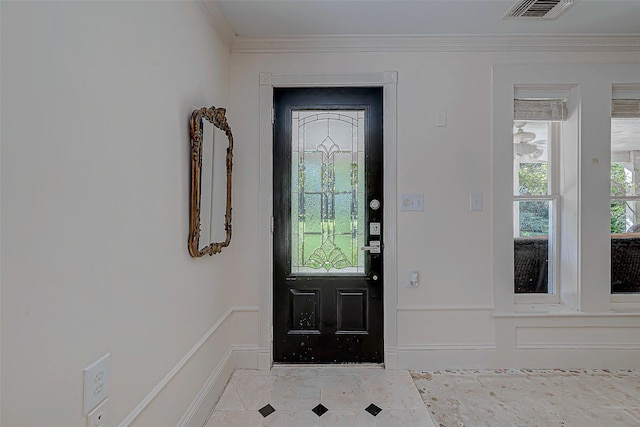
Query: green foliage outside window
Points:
[618, 208]
[534, 215]
[533, 179]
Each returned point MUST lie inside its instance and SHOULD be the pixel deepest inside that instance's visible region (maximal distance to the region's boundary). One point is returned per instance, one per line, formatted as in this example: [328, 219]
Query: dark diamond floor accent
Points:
[266, 410]
[373, 410]
[319, 410]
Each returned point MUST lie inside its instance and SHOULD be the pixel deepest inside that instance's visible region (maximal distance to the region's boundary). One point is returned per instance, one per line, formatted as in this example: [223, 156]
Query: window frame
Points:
[624, 297]
[585, 185]
[554, 133]
[621, 92]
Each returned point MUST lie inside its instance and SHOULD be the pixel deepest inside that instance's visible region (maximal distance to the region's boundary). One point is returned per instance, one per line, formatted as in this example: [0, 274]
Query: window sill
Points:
[625, 307]
[561, 310]
[625, 299]
[542, 308]
[536, 300]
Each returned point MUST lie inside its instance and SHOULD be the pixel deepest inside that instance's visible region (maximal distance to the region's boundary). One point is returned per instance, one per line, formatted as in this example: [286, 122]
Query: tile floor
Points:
[360, 396]
[532, 397]
[321, 396]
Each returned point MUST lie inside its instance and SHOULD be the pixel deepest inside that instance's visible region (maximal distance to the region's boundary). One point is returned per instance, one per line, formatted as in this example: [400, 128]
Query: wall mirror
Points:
[211, 166]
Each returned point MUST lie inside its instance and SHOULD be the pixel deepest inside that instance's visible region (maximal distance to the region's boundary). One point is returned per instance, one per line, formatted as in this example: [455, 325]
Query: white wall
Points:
[96, 98]
[449, 321]
[95, 180]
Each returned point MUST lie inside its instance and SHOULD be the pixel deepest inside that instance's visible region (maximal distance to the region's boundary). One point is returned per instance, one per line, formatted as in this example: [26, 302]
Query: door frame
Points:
[388, 81]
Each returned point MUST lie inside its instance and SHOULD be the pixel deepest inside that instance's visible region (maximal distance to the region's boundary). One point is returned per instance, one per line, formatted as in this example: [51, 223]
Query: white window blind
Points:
[551, 110]
[625, 108]
[625, 101]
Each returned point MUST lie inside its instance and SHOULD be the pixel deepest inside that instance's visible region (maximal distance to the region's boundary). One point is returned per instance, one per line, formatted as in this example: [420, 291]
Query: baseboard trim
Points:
[212, 390]
[445, 307]
[264, 359]
[237, 357]
[446, 347]
[185, 359]
[391, 358]
[447, 356]
[584, 346]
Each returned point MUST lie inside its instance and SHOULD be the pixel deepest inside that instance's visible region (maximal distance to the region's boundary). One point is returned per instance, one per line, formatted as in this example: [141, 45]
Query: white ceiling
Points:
[261, 19]
[295, 18]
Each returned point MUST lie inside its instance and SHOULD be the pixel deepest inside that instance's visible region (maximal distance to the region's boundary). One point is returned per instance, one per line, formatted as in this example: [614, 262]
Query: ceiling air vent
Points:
[538, 9]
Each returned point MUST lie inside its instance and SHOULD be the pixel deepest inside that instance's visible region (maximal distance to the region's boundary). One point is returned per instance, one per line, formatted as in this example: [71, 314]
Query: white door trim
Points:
[388, 81]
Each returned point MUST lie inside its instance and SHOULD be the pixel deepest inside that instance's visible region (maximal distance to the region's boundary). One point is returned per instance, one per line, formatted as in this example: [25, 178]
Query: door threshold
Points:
[328, 365]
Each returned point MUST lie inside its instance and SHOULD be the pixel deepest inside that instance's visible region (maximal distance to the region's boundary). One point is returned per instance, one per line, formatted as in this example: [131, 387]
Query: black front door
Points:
[328, 225]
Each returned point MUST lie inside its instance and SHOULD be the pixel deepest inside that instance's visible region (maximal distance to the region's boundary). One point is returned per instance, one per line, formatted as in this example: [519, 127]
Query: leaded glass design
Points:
[327, 191]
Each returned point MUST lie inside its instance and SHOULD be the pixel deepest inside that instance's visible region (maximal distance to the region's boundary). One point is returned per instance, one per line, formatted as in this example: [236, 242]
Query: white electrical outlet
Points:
[96, 383]
[413, 278]
[412, 202]
[98, 417]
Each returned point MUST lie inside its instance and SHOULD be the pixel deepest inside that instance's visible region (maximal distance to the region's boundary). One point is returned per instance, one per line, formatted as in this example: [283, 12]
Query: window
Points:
[579, 208]
[625, 194]
[327, 181]
[536, 200]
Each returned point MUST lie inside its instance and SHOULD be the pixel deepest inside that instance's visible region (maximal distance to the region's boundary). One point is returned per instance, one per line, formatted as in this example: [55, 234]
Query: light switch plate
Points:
[475, 201]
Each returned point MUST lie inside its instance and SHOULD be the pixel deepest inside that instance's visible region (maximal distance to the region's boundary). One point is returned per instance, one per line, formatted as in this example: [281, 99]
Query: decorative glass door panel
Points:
[327, 191]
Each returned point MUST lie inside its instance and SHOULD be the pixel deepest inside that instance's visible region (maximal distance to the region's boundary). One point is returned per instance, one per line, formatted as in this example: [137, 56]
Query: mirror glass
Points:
[211, 165]
[213, 185]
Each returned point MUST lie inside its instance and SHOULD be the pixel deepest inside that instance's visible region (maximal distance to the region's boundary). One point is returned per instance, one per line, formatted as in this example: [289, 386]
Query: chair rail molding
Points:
[223, 365]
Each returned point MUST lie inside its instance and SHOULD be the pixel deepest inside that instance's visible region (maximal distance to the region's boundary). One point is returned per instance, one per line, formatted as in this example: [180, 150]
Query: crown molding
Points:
[218, 22]
[436, 43]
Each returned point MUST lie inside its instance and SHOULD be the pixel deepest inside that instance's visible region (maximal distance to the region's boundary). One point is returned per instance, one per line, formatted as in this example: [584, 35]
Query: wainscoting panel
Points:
[443, 326]
[445, 337]
[568, 340]
[231, 342]
[585, 338]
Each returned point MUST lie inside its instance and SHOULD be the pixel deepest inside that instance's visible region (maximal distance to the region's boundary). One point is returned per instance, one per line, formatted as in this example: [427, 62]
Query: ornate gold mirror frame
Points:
[215, 116]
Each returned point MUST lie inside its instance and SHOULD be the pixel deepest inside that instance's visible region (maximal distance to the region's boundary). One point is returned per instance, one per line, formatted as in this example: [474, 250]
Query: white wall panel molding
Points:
[210, 392]
[264, 359]
[578, 337]
[266, 213]
[315, 80]
[435, 43]
[225, 340]
[445, 307]
[237, 357]
[582, 346]
[577, 314]
[463, 324]
[447, 356]
[558, 358]
[391, 358]
[446, 346]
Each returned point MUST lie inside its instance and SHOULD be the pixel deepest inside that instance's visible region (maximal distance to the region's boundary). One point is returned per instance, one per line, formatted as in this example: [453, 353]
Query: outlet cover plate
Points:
[411, 202]
[96, 383]
[98, 417]
[475, 201]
